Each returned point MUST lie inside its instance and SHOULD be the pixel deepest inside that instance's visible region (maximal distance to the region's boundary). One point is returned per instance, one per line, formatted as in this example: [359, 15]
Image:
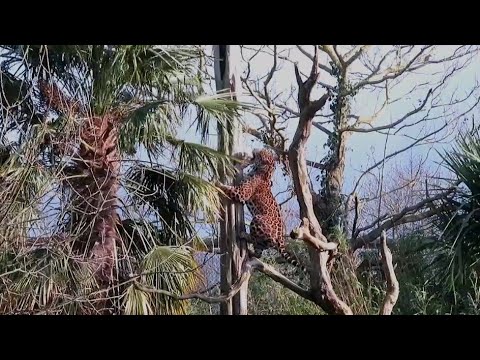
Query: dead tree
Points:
[351, 70]
[319, 179]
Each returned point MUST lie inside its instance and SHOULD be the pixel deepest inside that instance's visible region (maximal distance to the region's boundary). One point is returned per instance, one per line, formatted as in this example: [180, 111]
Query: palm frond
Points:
[171, 269]
[464, 161]
[44, 279]
[148, 125]
[137, 302]
[22, 186]
[98, 74]
[219, 108]
[174, 195]
[459, 244]
[199, 159]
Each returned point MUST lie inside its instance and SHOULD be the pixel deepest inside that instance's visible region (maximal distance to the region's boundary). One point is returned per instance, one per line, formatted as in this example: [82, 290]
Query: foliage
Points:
[457, 250]
[413, 260]
[267, 297]
[158, 88]
[167, 268]
[45, 279]
[417, 271]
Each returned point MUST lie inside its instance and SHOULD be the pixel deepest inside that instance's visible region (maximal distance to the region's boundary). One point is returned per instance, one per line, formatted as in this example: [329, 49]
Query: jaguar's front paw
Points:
[219, 185]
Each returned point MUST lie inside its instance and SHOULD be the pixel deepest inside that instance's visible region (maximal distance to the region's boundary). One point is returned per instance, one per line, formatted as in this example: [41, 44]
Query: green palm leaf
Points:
[173, 194]
[459, 245]
[39, 279]
[137, 302]
[172, 269]
[200, 159]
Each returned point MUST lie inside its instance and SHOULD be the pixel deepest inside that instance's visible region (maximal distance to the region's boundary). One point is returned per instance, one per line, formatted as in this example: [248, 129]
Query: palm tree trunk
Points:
[94, 185]
[97, 191]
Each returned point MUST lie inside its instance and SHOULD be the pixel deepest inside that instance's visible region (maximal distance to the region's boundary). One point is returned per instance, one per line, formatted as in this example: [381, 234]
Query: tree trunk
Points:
[320, 281]
[240, 300]
[329, 206]
[94, 183]
[99, 161]
[322, 290]
[232, 248]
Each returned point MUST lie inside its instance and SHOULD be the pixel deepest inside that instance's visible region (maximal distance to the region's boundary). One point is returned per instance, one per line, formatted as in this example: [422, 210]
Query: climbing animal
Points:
[267, 227]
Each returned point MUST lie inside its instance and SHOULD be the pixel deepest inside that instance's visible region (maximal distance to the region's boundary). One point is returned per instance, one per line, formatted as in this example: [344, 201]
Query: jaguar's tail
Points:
[291, 258]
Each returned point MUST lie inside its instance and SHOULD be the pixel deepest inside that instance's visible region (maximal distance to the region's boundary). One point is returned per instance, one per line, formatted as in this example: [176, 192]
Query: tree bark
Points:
[320, 281]
[233, 249]
[393, 287]
[240, 300]
[99, 160]
[94, 185]
[329, 208]
[328, 205]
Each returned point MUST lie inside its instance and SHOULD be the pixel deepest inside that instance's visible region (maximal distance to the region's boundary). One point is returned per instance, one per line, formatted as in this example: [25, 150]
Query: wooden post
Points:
[234, 251]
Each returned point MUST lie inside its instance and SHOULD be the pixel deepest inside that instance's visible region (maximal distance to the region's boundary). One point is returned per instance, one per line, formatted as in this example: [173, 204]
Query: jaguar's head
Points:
[264, 159]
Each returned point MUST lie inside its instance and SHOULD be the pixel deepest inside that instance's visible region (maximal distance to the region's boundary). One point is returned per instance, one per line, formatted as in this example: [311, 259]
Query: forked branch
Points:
[278, 277]
[393, 288]
[319, 243]
[320, 281]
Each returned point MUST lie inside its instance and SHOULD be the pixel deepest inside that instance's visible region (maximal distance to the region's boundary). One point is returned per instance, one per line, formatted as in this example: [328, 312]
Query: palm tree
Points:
[84, 115]
[457, 253]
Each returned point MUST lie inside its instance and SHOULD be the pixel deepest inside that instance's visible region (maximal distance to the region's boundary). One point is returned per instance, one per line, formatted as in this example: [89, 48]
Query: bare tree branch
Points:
[315, 164]
[339, 56]
[355, 219]
[357, 52]
[328, 49]
[395, 123]
[253, 93]
[272, 71]
[278, 277]
[247, 269]
[319, 243]
[389, 73]
[320, 279]
[235, 288]
[370, 119]
[412, 208]
[259, 136]
[320, 127]
[393, 288]
[321, 66]
[402, 217]
[395, 153]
